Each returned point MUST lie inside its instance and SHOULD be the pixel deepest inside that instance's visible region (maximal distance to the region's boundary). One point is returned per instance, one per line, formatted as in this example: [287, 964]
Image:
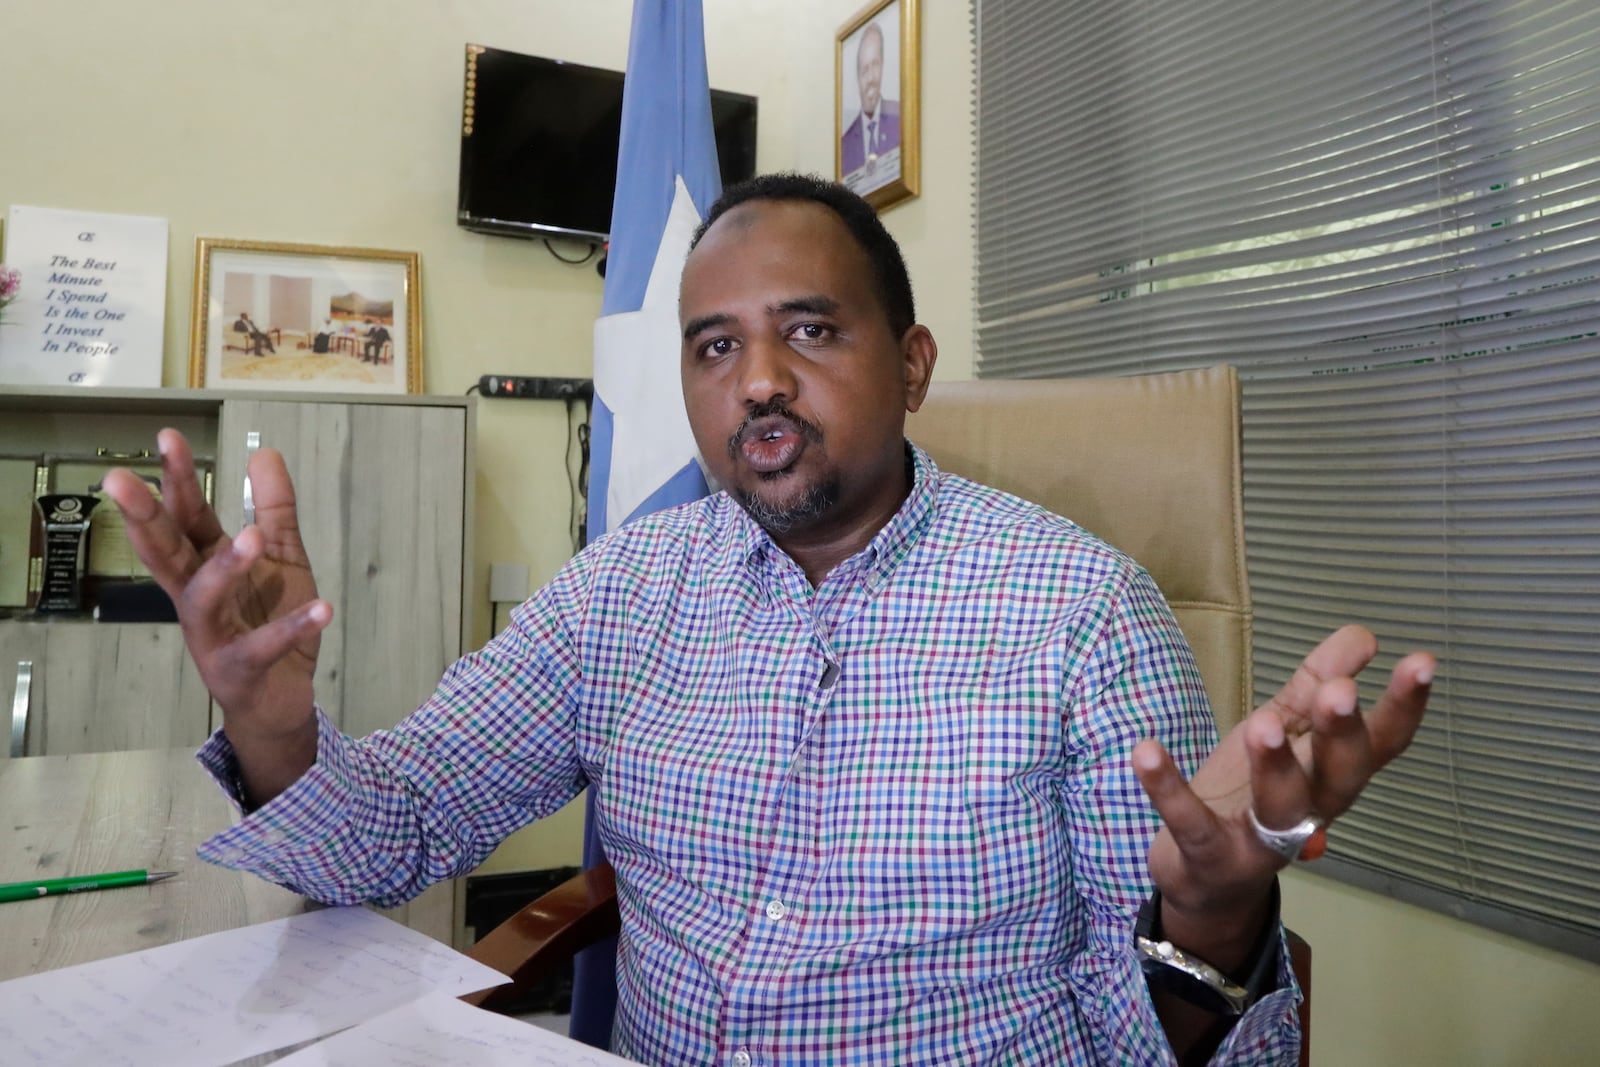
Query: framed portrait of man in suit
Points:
[877, 129]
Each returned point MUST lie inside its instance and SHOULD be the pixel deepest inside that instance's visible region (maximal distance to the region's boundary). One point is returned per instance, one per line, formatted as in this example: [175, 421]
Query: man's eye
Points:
[719, 346]
[812, 331]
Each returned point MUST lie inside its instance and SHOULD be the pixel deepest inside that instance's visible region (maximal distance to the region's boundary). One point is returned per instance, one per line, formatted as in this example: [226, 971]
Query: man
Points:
[876, 129]
[255, 337]
[377, 336]
[865, 738]
[323, 340]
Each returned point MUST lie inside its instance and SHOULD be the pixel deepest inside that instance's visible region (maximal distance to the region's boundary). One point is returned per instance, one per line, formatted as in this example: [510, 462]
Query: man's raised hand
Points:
[248, 605]
[1307, 752]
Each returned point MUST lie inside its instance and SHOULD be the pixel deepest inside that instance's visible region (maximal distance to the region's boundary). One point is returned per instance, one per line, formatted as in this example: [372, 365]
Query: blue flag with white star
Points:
[642, 454]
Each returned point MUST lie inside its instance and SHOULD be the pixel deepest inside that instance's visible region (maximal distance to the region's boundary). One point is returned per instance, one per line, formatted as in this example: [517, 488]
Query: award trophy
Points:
[64, 522]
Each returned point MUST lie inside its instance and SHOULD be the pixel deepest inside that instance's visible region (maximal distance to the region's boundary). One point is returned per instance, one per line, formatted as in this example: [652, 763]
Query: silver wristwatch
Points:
[1171, 969]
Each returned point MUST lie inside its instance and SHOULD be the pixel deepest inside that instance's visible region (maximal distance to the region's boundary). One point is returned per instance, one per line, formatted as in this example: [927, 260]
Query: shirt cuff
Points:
[1267, 1033]
[1269, 1030]
[267, 841]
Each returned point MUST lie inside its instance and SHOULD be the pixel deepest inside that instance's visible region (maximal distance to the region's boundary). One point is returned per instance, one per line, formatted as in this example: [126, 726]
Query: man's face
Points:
[869, 68]
[796, 388]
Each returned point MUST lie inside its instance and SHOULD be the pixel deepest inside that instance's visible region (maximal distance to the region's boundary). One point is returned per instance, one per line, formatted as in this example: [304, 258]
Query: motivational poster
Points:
[91, 308]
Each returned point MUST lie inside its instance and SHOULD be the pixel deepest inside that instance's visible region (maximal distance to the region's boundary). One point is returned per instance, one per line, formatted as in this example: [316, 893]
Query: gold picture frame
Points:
[305, 318]
[877, 150]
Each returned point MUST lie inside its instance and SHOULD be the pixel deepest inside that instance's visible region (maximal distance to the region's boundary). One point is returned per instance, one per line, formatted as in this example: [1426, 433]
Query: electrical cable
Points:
[577, 482]
[572, 489]
[593, 248]
[583, 473]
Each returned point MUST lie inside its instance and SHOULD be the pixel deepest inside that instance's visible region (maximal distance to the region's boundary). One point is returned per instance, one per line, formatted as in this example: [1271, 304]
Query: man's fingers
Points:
[1394, 721]
[273, 493]
[251, 654]
[1193, 825]
[210, 596]
[156, 539]
[1341, 750]
[1341, 654]
[180, 488]
[1279, 790]
[244, 647]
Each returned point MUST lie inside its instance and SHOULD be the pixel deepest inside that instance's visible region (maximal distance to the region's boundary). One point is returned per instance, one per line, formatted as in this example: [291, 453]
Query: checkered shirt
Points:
[889, 820]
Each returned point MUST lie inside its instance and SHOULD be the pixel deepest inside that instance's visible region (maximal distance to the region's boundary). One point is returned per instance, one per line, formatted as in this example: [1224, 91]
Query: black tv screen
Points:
[539, 144]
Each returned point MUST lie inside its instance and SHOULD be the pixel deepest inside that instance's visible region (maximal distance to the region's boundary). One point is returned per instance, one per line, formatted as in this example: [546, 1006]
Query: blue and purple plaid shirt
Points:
[887, 820]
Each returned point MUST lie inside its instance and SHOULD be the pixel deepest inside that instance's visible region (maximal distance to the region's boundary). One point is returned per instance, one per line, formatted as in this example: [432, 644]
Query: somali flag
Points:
[642, 455]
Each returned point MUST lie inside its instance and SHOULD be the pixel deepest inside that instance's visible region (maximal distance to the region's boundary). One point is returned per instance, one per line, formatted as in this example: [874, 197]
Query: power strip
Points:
[517, 387]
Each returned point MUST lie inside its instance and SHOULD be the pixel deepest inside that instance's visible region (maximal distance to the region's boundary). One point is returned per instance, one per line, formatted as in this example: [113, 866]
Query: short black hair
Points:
[888, 265]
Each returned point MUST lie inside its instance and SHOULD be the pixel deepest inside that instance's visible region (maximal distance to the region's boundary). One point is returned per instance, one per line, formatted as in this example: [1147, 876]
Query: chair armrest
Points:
[548, 932]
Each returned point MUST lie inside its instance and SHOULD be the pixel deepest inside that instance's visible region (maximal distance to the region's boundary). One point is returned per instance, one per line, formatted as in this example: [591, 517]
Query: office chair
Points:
[1148, 463]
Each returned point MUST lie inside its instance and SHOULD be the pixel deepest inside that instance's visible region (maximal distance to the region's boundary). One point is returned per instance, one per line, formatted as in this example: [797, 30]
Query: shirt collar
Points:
[888, 547]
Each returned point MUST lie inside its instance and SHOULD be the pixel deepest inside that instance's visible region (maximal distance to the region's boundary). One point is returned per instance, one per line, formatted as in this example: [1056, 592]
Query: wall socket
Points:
[523, 388]
[508, 583]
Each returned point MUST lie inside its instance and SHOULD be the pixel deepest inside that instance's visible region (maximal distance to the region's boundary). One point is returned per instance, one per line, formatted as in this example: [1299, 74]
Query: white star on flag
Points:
[651, 440]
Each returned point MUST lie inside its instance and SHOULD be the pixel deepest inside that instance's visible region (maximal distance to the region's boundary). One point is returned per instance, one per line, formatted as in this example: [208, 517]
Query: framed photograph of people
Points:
[311, 318]
[877, 132]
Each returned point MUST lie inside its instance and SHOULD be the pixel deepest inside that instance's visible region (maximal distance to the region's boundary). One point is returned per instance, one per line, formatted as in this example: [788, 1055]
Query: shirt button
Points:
[776, 910]
[741, 1059]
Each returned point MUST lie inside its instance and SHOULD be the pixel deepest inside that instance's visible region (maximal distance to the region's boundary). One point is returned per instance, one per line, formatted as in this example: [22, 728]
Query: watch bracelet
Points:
[1193, 979]
[1222, 994]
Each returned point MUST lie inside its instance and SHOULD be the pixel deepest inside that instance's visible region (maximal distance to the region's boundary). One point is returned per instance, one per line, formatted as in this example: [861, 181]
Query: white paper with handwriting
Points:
[219, 998]
[440, 1031]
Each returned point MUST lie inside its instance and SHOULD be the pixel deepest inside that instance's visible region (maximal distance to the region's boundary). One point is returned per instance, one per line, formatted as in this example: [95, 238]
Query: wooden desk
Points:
[117, 811]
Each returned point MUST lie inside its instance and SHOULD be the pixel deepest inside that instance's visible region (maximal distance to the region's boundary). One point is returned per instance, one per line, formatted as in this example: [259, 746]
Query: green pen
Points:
[49, 887]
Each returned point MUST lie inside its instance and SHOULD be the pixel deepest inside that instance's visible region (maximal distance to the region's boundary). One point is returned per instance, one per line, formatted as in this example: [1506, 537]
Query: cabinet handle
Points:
[19, 708]
[252, 441]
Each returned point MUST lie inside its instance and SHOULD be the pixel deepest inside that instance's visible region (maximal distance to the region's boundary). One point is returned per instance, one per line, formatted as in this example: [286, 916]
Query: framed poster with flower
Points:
[10, 279]
[88, 298]
[302, 317]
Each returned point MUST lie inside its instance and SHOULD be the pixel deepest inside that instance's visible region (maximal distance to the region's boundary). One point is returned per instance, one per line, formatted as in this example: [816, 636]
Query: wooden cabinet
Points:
[102, 687]
[384, 489]
[382, 495]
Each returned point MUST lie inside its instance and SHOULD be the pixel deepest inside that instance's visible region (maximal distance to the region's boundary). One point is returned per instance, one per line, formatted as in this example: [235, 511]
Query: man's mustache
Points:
[771, 408]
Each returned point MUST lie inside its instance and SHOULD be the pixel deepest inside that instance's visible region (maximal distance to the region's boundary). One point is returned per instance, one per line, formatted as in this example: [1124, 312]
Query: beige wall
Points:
[335, 122]
[1398, 986]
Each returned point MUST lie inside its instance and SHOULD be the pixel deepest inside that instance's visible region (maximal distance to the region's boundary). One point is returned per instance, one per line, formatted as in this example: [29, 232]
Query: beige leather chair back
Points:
[1148, 463]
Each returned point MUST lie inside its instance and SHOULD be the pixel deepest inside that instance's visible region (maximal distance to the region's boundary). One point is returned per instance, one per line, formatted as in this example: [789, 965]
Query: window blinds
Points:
[1388, 217]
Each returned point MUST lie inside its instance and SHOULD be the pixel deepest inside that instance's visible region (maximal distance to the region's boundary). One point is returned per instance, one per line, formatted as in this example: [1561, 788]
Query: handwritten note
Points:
[220, 998]
[93, 300]
[440, 1031]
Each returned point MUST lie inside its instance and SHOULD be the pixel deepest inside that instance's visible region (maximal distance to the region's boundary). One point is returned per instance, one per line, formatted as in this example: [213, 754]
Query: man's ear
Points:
[920, 353]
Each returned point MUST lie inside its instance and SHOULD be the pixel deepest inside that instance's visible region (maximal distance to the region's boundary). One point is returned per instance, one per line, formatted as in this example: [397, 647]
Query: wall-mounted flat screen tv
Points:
[539, 144]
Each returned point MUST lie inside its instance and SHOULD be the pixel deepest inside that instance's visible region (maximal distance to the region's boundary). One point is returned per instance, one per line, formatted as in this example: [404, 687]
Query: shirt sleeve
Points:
[381, 818]
[1137, 680]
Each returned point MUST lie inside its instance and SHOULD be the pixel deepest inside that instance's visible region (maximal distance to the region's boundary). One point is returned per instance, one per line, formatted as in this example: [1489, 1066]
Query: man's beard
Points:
[814, 503]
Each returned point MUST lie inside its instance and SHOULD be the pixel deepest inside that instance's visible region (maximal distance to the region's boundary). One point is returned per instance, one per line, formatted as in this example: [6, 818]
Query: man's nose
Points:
[767, 371]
